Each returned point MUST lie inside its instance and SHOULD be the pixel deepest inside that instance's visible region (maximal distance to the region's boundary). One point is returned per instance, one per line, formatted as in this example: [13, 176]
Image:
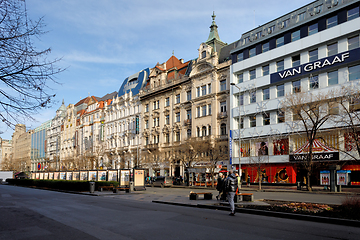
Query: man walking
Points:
[231, 187]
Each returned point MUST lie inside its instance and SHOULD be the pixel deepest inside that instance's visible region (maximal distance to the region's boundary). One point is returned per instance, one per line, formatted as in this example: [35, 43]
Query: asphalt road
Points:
[27, 213]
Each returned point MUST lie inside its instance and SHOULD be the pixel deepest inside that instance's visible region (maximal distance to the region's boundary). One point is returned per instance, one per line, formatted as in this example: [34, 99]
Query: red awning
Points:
[317, 148]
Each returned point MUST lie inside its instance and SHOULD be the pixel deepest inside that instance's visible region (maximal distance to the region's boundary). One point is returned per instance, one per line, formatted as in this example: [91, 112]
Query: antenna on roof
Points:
[88, 94]
[173, 53]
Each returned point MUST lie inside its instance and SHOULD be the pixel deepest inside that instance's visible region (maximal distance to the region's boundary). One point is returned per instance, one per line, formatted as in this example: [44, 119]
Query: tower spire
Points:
[213, 35]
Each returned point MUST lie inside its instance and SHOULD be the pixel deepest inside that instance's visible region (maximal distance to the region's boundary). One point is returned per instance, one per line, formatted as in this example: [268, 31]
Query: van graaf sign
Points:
[322, 64]
[325, 156]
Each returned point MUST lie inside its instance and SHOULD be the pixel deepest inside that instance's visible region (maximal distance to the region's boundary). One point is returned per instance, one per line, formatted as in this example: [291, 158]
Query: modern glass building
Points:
[38, 147]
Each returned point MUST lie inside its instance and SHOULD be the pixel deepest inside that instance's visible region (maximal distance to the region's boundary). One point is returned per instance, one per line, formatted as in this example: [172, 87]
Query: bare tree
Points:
[25, 71]
[309, 113]
[347, 108]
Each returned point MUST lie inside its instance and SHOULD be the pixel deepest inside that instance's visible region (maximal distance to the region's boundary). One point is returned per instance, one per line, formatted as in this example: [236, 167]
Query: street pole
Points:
[239, 126]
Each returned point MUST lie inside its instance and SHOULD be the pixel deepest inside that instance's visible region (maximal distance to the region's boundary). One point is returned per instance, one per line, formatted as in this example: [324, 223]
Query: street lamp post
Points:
[239, 125]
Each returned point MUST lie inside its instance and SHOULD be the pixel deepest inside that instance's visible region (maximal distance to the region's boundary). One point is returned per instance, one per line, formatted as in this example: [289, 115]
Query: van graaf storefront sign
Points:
[320, 152]
[322, 64]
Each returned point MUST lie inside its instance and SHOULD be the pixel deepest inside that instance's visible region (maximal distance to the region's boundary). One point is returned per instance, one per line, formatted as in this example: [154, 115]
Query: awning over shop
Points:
[320, 152]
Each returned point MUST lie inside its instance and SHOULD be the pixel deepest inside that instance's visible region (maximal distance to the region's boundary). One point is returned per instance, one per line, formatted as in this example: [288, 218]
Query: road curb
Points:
[337, 221]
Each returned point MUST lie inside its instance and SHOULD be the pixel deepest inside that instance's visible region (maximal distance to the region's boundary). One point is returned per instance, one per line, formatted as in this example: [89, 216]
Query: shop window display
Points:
[281, 147]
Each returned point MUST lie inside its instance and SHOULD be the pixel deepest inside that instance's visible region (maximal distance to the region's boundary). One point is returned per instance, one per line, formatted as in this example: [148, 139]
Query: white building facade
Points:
[312, 49]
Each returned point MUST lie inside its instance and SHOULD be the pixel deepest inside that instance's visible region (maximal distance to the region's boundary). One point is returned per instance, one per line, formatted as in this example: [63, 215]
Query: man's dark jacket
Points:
[231, 183]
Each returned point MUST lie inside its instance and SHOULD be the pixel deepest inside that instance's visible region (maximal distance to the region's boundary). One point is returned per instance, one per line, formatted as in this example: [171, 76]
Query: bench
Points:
[195, 196]
[110, 187]
[246, 197]
[117, 189]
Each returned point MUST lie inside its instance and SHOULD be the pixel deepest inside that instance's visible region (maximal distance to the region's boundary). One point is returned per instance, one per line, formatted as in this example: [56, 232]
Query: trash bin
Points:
[92, 187]
[298, 185]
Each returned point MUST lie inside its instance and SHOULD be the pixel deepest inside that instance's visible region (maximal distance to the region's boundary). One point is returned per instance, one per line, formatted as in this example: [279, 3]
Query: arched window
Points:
[209, 131]
[189, 133]
[198, 131]
[203, 54]
[203, 131]
[223, 129]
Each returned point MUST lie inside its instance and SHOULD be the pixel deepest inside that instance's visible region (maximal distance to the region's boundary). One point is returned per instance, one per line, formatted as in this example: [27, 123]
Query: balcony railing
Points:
[222, 114]
[187, 121]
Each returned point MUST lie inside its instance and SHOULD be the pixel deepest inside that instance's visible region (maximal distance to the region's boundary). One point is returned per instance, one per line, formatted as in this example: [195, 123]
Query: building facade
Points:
[39, 160]
[5, 153]
[312, 50]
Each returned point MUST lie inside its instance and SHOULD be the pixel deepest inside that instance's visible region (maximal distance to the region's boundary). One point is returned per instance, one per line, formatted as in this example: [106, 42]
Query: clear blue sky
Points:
[102, 42]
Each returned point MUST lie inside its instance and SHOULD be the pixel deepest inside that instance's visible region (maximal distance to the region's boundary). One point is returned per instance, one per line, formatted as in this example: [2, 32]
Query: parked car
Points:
[162, 181]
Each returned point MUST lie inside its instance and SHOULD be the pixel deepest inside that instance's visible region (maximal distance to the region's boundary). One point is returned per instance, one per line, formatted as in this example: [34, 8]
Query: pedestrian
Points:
[219, 185]
[231, 187]
[238, 181]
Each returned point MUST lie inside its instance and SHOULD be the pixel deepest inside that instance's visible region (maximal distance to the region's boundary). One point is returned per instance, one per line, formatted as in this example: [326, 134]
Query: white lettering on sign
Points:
[313, 66]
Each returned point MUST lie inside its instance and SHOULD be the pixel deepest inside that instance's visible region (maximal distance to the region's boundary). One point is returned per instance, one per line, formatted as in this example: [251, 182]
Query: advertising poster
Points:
[325, 178]
[37, 176]
[101, 175]
[84, 176]
[76, 176]
[51, 175]
[56, 175]
[46, 175]
[112, 176]
[139, 179]
[341, 177]
[69, 175]
[63, 176]
[33, 175]
[92, 175]
[125, 177]
[41, 175]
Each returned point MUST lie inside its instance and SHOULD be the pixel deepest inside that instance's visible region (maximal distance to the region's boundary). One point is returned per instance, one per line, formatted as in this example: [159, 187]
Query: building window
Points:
[300, 16]
[354, 73]
[147, 108]
[313, 29]
[239, 101]
[253, 121]
[223, 106]
[253, 97]
[188, 114]
[332, 49]
[188, 95]
[177, 98]
[188, 133]
[177, 117]
[167, 119]
[313, 55]
[333, 108]
[332, 78]
[265, 70]
[280, 89]
[223, 85]
[252, 52]
[209, 88]
[295, 61]
[331, 22]
[354, 105]
[240, 57]
[198, 112]
[146, 124]
[240, 77]
[280, 65]
[203, 90]
[314, 82]
[203, 110]
[295, 36]
[296, 86]
[177, 137]
[203, 131]
[156, 105]
[279, 41]
[223, 129]
[265, 47]
[198, 91]
[198, 131]
[353, 42]
[203, 54]
[147, 141]
[353, 13]
[280, 116]
[266, 119]
[156, 122]
[252, 74]
[167, 102]
[167, 138]
[209, 108]
[266, 94]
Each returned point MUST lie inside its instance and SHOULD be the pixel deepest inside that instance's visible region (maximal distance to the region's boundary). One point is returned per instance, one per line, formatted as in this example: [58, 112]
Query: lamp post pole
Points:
[239, 125]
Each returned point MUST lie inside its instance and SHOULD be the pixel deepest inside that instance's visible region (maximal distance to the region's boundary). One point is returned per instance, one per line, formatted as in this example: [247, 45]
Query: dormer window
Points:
[203, 54]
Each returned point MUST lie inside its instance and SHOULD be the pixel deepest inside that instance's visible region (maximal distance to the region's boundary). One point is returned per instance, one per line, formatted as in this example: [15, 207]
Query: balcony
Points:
[187, 122]
[152, 146]
[222, 115]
